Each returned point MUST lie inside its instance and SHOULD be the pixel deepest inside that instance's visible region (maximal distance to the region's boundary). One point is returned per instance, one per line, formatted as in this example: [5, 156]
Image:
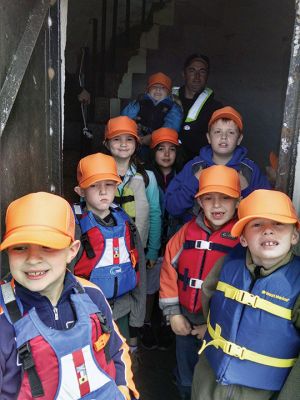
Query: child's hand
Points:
[180, 325]
[150, 264]
[199, 330]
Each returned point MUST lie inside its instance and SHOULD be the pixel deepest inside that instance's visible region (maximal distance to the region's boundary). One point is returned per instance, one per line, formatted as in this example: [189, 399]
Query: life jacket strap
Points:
[26, 359]
[234, 350]
[194, 283]
[85, 241]
[205, 245]
[120, 200]
[254, 301]
[105, 337]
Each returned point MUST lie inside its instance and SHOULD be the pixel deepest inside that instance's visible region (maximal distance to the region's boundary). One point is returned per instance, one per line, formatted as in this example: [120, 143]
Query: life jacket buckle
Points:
[234, 350]
[202, 245]
[248, 299]
[195, 283]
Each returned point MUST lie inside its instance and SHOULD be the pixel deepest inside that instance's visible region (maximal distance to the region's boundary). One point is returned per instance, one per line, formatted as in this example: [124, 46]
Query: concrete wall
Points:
[249, 44]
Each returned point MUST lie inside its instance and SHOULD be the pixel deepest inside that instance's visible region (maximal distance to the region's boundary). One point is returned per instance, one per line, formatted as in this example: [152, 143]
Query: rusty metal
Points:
[291, 119]
[21, 60]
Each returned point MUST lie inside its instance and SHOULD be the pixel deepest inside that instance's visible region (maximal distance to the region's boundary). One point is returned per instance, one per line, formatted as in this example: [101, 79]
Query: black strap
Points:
[85, 241]
[184, 278]
[120, 200]
[191, 244]
[26, 359]
[105, 329]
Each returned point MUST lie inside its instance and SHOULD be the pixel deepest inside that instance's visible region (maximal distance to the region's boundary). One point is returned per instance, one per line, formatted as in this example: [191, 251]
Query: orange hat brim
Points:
[98, 178]
[219, 189]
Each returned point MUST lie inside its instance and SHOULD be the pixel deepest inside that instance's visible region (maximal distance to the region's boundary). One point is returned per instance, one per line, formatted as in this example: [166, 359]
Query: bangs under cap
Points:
[95, 168]
[219, 179]
[263, 203]
[121, 125]
[161, 79]
[228, 113]
[164, 135]
[41, 218]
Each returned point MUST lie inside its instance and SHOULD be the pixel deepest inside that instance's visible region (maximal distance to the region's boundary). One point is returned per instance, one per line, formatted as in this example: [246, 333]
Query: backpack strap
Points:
[24, 352]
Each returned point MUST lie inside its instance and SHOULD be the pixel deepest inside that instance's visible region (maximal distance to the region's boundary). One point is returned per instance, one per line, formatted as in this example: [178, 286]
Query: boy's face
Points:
[223, 137]
[218, 208]
[122, 146]
[41, 269]
[99, 196]
[165, 154]
[268, 241]
[158, 92]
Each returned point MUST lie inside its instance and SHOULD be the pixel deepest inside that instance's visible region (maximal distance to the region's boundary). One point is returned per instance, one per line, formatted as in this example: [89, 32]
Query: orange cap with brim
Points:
[159, 79]
[39, 218]
[264, 203]
[229, 113]
[95, 168]
[164, 135]
[121, 125]
[219, 179]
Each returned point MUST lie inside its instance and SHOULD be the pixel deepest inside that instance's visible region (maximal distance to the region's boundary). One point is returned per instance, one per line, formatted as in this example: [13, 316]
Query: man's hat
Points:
[159, 79]
[120, 126]
[164, 135]
[263, 203]
[39, 218]
[229, 113]
[96, 167]
[219, 179]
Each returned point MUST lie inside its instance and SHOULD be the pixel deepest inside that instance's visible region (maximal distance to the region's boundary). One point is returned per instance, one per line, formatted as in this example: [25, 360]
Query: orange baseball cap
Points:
[219, 179]
[164, 135]
[96, 167]
[160, 79]
[121, 126]
[263, 203]
[39, 218]
[229, 113]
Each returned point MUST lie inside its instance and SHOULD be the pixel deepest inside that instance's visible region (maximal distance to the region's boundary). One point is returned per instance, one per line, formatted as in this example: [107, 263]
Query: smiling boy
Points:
[225, 134]
[57, 334]
[251, 302]
[190, 254]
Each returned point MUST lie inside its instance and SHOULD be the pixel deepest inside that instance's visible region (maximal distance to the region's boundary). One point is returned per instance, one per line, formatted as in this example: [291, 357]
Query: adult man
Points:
[198, 104]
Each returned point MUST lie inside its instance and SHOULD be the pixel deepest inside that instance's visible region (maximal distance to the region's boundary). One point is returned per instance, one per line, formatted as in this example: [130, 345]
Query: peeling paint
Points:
[285, 145]
[51, 131]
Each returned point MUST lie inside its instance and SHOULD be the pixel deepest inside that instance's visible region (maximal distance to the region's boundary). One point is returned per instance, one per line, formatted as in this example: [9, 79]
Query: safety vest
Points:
[133, 200]
[63, 364]
[200, 253]
[152, 116]
[251, 340]
[109, 257]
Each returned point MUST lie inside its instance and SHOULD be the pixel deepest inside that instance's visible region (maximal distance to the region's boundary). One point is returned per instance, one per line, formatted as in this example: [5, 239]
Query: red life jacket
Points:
[200, 253]
[63, 364]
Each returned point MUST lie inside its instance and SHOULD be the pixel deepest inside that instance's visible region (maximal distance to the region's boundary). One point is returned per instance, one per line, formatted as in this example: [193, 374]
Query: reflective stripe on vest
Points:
[198, 105]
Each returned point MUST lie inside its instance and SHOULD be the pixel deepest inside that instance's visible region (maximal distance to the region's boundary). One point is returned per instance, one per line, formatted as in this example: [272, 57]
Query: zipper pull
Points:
[55, 310]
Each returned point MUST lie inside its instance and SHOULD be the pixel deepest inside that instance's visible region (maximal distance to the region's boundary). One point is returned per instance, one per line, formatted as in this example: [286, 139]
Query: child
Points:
[57, 338]
[164, 145]
[110, 243]
[155, 109]
[138, 192]
[253, 339]
[224, 137]
[189, 256]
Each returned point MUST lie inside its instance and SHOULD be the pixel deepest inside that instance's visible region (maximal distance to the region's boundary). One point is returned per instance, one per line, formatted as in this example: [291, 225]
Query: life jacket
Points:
[133, 200]
[109, 258]
[251, 340]
[200, 253]
[151, 116]
[62, 364]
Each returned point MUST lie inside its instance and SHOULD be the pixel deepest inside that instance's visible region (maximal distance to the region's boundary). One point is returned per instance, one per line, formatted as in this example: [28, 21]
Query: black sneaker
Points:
[165, 337]
[148, 339]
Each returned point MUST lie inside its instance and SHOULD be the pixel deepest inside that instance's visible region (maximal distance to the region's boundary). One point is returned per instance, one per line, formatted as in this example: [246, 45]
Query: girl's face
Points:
[165, 154]
[122, 146]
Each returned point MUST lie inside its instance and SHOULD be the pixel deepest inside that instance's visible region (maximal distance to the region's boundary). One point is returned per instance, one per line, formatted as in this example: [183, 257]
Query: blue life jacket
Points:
[109, 257]
[251, 340]
[63, 364]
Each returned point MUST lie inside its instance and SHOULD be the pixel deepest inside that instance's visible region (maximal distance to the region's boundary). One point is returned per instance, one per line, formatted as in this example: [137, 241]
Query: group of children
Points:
[212, 238]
